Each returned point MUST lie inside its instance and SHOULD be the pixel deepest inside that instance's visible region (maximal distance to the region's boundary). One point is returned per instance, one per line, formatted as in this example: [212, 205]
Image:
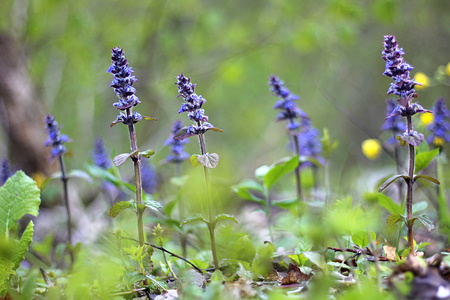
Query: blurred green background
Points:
[327, 52]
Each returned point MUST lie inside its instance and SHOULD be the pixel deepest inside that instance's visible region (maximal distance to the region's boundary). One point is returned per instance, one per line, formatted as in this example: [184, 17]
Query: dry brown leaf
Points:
[390, 252]
[294, 275]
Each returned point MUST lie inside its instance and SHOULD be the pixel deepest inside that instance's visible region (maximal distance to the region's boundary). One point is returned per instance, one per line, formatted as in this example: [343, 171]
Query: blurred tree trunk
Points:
[21, 113]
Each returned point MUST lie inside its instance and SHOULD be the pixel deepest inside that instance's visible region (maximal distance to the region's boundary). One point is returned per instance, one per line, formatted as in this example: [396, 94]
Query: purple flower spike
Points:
[193, 106]
[440, 128]
[149, 177]
[398, 70]
[289, 110]
[55, 140]
[101, 155]
[5, 171]
[177, 153]
[123, 80]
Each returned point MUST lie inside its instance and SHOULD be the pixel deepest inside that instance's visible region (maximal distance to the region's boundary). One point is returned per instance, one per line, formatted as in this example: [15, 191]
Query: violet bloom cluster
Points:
[395, 124]
[193, 106]
[177, 153]
[100, 155]
[5, 171]
[55, 140]
[309, 143]
[440, 127]
[289, 110]
[403, 85]
[122, 84]
[149, 177]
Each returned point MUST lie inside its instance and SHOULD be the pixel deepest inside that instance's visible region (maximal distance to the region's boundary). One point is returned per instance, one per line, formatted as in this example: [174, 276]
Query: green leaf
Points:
[317, 259]
[391, 179]
[361, 238]
[243, 191]
[6, 270]
[119, 207]
[389, 204]
[147, 153]
[426, 221]
[100, 173]
[18, 196]
[209, 160]
[79, 174]
[194, 218]
[22, 246]
[423, 159]
[225, 217]
[217, 276]
[426, 177]
[149, 118]
[279, 169]
[395, 218]
[285, 204]
[419, 206]
[121, 158]
[261, 172]
[152, 204]
[194, 160]
[413, 139]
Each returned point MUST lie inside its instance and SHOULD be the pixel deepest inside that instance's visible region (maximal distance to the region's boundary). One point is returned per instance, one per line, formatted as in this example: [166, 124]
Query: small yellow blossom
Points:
[371, 148]
[426, 118]
[423, 79]
[438, 141]
[447, 69]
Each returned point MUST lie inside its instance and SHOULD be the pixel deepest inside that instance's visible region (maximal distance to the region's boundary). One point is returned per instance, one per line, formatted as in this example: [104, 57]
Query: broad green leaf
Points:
[217, 276]
[395, 218]
[426, 177]
[225, 217]
[426, 221]
[391, 179]
[100, 173]
[18, 196]
[152, 204]
[279, 169]
[261, 172]
[285, 204]
[419, 206]
[249, 184]
[423, 159]
[209, 160]
[194, 160]
[6, 270]
[389, 204]
[317, 259]
[243, 249]
[119, 207]
[194, 218]
[22, 246]
[361, 238]
[243, 191]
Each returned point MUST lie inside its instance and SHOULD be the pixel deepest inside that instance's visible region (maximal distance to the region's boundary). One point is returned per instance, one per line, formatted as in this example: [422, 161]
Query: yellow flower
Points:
[438, 141]
[447, 69]
[423, 79]
[426, 118]
[371, 148]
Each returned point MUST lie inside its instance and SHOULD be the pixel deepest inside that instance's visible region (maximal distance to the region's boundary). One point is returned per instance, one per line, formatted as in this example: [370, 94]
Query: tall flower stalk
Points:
[403, 88]
[193, 106]
[122, 85]
[293, 116]
[56, 141]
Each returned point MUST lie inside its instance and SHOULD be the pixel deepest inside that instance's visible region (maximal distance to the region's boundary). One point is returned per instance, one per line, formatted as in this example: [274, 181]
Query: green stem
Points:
[211, 224]
[409, 191]
[297, 170]
[442, 203]
[137, 177]
[64, 180]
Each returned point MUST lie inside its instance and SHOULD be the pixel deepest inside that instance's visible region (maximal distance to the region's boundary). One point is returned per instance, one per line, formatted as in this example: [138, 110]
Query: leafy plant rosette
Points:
[18, 197]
